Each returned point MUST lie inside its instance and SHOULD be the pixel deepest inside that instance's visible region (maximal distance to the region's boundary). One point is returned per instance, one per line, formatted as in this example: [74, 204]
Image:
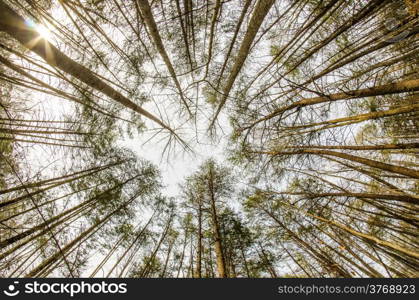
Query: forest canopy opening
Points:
[222, 138]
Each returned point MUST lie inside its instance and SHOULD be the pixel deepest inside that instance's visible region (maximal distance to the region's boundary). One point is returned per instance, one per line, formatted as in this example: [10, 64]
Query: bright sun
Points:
[43, 31]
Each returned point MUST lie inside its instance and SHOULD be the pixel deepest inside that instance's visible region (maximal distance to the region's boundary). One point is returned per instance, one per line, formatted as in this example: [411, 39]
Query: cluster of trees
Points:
[316, 101]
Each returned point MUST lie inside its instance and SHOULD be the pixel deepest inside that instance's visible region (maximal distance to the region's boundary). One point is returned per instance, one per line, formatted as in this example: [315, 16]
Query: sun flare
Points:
[222, 139]
[43, 31]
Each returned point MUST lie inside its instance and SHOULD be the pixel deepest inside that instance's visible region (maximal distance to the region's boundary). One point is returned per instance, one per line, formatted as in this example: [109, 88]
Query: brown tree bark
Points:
[391, 88]
[216, 228]
[198, 273]
[15, 26]
[154, 32]
[369, 162]
[261, 10]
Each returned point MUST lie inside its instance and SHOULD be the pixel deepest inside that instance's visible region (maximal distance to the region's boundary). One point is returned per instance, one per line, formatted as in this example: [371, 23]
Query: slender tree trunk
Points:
[357, 118]
[137, 238]
[320, 257]
[246, 266]
[15, 26]
[261, 10]
[391, 88]
[403, 198]
[365, 161]
[183, 255]
[294, 260]
[74, 242]
[89, 171]
[216, 228]
[154, 32]
[145, 270]
[199, 242]
[268, 262]
[184, 33]
[361, 147]
[367, 237]
[233, 40]
[211, 34]
[169, 251]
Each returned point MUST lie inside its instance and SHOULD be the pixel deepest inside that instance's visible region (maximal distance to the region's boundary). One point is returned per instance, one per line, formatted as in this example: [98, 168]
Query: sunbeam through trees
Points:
[222, 138]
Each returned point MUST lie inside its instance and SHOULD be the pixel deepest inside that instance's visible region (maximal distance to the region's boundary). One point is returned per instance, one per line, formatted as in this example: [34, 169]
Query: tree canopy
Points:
[291, 129]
